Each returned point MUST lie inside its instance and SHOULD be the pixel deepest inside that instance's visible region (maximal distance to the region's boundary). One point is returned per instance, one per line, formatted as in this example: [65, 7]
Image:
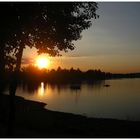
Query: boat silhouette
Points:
[106, 85]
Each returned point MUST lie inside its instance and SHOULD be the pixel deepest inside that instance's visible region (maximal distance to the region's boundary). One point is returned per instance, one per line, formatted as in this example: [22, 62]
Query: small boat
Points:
[75, 87]
[106, 85]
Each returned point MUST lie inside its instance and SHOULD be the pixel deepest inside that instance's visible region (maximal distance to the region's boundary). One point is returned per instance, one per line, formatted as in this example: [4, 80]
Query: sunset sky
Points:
[111, 44]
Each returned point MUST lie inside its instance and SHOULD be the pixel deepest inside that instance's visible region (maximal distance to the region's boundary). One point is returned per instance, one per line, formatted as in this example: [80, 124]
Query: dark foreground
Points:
[32, 121]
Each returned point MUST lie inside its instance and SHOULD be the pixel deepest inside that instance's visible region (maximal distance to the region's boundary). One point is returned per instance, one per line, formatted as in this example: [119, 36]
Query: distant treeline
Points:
[33, 74]
[127, 75]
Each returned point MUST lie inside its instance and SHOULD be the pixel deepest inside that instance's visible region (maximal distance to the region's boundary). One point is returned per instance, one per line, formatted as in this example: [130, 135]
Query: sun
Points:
[42, 62]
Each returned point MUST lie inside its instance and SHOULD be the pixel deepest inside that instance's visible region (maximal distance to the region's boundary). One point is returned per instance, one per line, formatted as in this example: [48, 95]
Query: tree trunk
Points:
[12, 92]
[2, 62]
[2, 68]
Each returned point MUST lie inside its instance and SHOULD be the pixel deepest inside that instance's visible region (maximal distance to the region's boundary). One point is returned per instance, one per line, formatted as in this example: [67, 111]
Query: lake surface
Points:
[120, 100]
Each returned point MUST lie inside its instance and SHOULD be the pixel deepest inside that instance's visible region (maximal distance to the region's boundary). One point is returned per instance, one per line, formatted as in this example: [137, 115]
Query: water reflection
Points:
[49, 90]
[119, 100]
[41, 89]
[77, 96]
[31, 88]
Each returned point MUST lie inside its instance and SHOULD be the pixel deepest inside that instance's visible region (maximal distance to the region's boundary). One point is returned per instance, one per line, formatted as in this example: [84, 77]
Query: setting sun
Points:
[42, 62]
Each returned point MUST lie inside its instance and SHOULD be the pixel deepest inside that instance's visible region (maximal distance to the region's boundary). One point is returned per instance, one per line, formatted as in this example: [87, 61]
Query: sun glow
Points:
[42, 62]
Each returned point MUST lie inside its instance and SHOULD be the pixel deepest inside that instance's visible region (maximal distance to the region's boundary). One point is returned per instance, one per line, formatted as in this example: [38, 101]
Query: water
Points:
[120, 100]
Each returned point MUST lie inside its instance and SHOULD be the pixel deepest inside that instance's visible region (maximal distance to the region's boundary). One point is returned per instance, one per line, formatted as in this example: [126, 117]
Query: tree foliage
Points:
[50, 27]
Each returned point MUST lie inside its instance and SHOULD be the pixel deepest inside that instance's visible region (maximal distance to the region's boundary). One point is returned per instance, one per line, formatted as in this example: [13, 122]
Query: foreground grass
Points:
[32, 120]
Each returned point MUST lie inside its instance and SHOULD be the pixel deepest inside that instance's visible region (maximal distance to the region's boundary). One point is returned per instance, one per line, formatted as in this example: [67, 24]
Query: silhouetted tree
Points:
[49, 27]
[59, 69]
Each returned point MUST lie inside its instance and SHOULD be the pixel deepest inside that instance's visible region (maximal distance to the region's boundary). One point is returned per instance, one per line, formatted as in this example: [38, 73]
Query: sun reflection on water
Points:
[41, 89]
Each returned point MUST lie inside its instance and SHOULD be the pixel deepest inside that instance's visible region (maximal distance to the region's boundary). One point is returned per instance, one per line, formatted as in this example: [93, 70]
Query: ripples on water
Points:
[120, 100]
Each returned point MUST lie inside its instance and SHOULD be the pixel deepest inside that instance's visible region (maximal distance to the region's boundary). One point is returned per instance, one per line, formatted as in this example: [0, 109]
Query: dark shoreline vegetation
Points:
[70, 75]
[32, 120]
[32, 74]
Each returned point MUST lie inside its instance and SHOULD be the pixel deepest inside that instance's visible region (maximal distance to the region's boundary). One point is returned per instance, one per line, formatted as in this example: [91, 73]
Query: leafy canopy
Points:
[50, 27]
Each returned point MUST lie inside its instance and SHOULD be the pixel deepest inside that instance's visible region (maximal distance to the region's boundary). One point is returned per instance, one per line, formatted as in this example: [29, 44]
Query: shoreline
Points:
[32, 120]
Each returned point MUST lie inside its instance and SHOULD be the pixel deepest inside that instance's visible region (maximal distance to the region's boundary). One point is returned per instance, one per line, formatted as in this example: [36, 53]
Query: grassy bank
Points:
[32, 120]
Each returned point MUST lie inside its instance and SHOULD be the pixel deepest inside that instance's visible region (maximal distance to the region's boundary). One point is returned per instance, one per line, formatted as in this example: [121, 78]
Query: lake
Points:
[119, 99]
